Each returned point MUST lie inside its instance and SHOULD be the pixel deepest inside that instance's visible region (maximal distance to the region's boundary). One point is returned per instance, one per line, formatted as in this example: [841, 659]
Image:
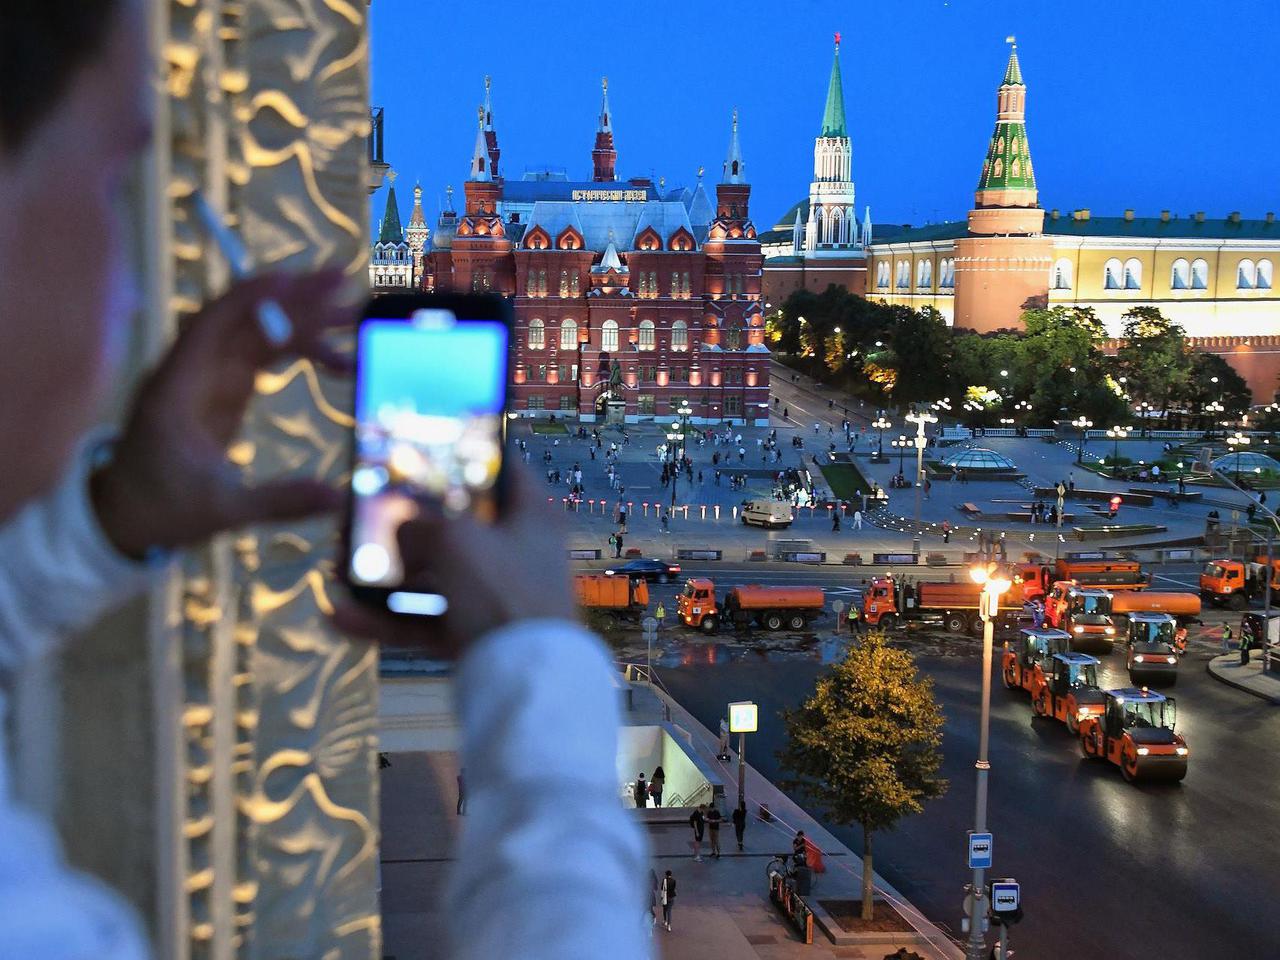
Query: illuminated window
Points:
[568, 335]
[648, 374]
[645, 404]
[537, 334]
[573, 284]
[568, 403]
[564, 283]
[679, 335]
[675, 284]
[646, 335]
[1112, 273]
[609, 336]
[536, 403]
[686, 283]
[733, 338]
[733, 406]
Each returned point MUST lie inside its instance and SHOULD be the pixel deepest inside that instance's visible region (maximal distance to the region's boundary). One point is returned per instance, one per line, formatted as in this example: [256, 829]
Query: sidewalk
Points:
[723, 908]
[1250, 679]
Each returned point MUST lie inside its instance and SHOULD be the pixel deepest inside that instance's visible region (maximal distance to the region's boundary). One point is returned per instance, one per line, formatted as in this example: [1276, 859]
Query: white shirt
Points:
[549, 865]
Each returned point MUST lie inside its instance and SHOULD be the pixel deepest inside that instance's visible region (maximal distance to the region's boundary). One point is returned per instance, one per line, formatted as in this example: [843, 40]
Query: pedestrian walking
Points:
[740, 822]
[666, 521]
[618, 544]
[857, 519]
[835, 521]
[654, 894]
[656, 786]
[742, 454]
[668, 896]
[462, 792]
[640, 793]
[660, 614]
[928, 486]
[699, 478]
[1226, 638]
[1246, 642]
[697, 822]
[946, 531]
[786, 413]
[854, 616]
[714, 819]
[613, 544]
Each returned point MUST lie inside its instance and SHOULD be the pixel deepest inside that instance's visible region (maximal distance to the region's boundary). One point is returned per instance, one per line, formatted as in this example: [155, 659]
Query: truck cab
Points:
[880, 603]
[696, 605]
[1231, 583]
[1069, 691]
[1083, 612]
[1136, 733]
[1022, 664]
[1153, 655]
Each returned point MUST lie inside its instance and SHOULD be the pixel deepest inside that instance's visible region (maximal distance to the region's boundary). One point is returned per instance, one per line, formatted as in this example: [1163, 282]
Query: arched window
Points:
[573, 284]
[882, 273]
[1132, 274]
[687, 285]
[733, 339]
[679, 335]
[1264, 275]
[1180, 275]
[537, 334]
[1246, 274]
[1062, 274]
[568, 335]
[1199, 274]
[646, 335]
[1111, 275]
[609, 336]
[924, 274]
[904, 275]
[564, 283]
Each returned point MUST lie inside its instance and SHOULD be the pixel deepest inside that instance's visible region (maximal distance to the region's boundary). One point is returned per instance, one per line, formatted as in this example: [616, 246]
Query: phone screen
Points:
[429, 411]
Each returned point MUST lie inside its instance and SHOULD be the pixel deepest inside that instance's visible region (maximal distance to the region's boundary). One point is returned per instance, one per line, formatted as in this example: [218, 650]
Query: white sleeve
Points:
[58, 570]
[550, 865]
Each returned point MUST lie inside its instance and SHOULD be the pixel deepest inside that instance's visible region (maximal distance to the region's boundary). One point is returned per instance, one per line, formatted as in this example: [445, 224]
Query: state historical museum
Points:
[630, 299]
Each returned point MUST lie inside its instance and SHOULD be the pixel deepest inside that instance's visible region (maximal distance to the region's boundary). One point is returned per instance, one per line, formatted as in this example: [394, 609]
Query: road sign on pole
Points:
[1006, 895]
[979, 851]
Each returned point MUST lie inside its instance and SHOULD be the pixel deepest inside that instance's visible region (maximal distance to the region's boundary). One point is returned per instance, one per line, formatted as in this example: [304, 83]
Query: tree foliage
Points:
[866, 746]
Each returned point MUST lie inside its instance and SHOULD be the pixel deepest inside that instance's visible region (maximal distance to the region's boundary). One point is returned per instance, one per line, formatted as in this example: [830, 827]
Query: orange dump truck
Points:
[953, 606]
[1230, 583]
[771, 607]
[1100, 569]
[620, 596]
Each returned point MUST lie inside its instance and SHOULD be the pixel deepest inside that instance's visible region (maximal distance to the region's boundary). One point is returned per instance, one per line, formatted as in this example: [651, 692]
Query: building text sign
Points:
[611, 195]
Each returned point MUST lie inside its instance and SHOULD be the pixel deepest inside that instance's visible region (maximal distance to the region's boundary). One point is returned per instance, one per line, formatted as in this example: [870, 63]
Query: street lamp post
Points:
[744, 718]
[1082, 424]
[880, 425]
[993, 586]
[679, 431]
[1212, 410]
[901, 444]
[1116, 433]
[920, 417]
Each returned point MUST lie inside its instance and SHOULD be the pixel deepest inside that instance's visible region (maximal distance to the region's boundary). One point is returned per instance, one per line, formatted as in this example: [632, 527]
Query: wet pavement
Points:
[1107, 868]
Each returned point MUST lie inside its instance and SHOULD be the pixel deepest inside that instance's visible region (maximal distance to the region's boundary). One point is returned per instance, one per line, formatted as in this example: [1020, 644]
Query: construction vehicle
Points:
[1231, 583]
[1153, 653]
[771, 607]
[953, 606]
[1069, 691]
[1107, 571]
[1083, 612]
[1184, 607]
[1136, 733]
[1022, 663]
[623, 597]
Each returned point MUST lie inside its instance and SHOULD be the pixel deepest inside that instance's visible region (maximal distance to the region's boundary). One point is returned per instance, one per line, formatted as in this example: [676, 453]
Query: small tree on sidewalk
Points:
[865, 746]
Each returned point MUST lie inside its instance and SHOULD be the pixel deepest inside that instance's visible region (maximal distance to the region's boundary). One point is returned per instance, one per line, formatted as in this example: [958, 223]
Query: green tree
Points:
[1155, 359]
[921, 340]
[1212, 378]
[835, 353]
[866, 746]
[1059, 360]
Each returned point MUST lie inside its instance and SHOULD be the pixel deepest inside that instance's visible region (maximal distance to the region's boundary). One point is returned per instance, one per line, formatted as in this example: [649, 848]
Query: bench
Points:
[1190, 495]
[1025, 517]
[971, 509]
[1116, 530]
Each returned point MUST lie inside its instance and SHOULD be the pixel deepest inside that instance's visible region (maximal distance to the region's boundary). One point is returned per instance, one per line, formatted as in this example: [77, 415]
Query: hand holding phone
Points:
[430, 427]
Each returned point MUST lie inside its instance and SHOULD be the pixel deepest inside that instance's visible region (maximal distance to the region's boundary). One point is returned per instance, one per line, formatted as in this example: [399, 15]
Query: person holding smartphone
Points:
[548, 863]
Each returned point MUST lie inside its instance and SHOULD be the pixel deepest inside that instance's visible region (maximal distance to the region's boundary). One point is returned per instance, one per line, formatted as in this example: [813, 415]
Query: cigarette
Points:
[272, 319]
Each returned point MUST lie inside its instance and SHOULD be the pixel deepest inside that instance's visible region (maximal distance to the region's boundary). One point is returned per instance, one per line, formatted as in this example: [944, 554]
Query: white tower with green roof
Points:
[832, 227]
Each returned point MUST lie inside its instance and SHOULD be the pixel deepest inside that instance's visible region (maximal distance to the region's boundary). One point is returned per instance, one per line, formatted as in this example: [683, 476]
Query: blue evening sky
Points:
[435, 369]
[1149, 104]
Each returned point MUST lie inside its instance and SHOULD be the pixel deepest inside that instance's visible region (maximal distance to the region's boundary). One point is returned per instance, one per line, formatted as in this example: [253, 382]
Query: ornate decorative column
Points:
[277, 824]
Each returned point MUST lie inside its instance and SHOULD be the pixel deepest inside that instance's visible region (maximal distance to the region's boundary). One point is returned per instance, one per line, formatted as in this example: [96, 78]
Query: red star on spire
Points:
[837, 38]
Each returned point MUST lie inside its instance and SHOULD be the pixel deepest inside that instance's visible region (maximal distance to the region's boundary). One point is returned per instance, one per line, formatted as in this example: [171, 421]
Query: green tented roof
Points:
[1008, 163]
[1013, 72]
[833, 115]
[391, 232]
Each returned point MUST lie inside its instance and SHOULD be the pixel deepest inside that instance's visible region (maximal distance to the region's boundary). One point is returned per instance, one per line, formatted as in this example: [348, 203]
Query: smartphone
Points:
[431, 373]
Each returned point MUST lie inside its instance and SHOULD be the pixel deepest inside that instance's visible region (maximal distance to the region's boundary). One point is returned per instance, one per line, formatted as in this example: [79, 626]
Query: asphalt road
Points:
[1107, 869]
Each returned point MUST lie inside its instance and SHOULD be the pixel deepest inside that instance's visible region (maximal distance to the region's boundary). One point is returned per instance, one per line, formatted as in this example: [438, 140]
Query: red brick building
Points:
[630, 299]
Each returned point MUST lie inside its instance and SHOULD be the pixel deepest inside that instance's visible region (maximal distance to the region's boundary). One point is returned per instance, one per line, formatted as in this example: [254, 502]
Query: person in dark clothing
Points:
[667, 894]
[697, 822]
[740, 822]
[799, 849]
[835, 521]
[657, 785]
[462, 792]
[714, 820]
[641, 792]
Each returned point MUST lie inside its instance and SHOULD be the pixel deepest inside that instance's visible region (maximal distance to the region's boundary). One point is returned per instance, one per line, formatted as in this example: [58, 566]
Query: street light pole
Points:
[1082, 424]
[919, 418]
[992, 588]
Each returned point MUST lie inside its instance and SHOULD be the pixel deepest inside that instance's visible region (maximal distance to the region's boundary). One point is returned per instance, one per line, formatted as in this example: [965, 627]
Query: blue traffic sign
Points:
[1006, 896]
[979, 851]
